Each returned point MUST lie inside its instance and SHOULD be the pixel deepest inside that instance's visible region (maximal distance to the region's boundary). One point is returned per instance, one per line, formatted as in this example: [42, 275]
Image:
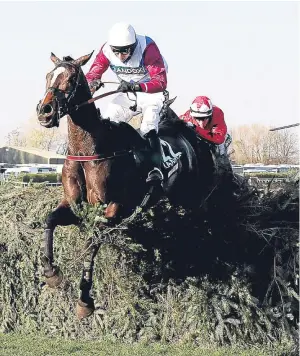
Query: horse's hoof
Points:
[56, 278]
[84, 310]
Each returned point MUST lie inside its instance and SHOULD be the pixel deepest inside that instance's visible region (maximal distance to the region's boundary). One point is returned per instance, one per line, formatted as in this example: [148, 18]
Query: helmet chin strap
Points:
[127, 59]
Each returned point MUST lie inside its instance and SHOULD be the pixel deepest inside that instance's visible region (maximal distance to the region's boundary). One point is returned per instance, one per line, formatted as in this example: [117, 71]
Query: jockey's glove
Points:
[190, 124]
[95, 85]
[125, 87]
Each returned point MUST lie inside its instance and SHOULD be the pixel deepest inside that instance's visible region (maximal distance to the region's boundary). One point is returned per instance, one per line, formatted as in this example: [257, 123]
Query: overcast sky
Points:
[243, 55]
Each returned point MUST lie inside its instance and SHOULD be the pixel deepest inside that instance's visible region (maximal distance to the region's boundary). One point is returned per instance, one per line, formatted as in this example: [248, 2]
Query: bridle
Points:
[63, 97]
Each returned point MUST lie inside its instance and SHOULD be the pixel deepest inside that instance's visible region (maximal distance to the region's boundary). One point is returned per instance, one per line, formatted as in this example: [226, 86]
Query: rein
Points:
[64, 109]
[98, 157]
[90, 101]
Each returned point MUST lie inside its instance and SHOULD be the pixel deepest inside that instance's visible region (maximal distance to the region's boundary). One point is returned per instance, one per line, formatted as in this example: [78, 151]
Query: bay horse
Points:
[107, 163]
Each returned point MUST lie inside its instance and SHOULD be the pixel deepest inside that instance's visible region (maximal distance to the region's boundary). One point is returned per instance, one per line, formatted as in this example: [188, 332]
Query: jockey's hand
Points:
[95, 85]
[190, 124]
[215, 131]
[126, 87]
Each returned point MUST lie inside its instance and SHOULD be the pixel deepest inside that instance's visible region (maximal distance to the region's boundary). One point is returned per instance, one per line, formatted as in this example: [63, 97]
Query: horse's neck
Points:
[83, 124]
[88, 135]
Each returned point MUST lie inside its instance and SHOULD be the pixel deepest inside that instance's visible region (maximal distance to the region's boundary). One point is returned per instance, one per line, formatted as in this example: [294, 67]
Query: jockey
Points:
[208, 122]
[142, 72]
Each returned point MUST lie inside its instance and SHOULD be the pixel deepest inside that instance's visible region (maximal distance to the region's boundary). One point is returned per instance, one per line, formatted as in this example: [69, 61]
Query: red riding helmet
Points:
[201, 107]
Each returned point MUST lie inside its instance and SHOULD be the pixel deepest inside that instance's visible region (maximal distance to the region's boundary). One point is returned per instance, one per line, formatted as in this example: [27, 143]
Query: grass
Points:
[34, 345]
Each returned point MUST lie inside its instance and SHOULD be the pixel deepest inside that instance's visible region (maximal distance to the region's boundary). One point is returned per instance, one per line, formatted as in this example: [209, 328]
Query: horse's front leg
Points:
[85, 305]
[62, 215]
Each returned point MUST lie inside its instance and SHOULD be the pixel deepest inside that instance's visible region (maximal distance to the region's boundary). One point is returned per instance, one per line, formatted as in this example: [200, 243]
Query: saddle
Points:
[169, 157]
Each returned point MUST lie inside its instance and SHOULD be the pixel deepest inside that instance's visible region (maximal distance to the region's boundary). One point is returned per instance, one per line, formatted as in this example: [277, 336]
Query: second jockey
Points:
[141, 70]
[208, 122]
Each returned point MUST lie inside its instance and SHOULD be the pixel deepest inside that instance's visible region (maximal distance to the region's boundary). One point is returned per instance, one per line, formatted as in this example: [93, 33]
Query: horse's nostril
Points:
[47, 109]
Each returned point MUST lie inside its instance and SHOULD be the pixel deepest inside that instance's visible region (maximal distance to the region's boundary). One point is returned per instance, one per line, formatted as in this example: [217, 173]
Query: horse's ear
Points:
[54, 59]
[81, 61]
[171, 101]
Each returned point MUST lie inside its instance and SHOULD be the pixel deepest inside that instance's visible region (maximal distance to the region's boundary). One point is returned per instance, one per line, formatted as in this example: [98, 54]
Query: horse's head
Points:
[61, 85]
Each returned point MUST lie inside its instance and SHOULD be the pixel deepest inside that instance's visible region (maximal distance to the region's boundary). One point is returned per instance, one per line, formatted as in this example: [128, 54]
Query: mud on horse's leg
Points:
[64, 216]
[85, 305]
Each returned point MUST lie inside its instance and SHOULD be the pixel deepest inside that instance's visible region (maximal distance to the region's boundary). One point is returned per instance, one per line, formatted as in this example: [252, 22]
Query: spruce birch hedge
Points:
[170, 275]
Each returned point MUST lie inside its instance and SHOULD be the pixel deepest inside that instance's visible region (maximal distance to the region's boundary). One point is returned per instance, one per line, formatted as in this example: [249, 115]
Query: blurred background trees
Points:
[251, 143]
[33, 135]
[256, 144]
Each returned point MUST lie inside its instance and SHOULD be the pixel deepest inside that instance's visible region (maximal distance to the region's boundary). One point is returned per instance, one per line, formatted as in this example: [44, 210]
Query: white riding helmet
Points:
[121, 34]
[201, 107]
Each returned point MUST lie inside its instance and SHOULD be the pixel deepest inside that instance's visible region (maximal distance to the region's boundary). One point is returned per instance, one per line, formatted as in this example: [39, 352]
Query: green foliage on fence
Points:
[41, 177]
[170, 275]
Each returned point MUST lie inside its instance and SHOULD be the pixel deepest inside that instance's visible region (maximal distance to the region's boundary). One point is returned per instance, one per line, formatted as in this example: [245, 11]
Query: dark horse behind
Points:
[107, 163]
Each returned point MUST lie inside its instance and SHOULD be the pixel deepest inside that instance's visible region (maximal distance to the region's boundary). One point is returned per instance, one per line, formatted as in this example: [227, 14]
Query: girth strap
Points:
[99, 157]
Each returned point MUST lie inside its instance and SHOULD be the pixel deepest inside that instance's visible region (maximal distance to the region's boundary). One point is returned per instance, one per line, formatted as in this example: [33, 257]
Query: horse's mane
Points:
[126, 131]
[68, 59]
[171, 125]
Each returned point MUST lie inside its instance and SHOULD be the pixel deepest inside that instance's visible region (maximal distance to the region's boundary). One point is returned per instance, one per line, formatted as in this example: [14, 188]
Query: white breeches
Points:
[149, 105]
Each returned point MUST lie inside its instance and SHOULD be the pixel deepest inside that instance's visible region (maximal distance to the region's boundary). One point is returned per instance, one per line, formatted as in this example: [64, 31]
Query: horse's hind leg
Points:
[85, 305]
[62, 215]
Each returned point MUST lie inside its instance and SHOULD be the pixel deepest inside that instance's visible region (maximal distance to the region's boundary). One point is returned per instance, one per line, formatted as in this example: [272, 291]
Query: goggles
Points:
[123, 50]
[206, 115]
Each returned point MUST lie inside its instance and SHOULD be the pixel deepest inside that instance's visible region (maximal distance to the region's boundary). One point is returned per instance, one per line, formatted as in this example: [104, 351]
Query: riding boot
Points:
[155, 176]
